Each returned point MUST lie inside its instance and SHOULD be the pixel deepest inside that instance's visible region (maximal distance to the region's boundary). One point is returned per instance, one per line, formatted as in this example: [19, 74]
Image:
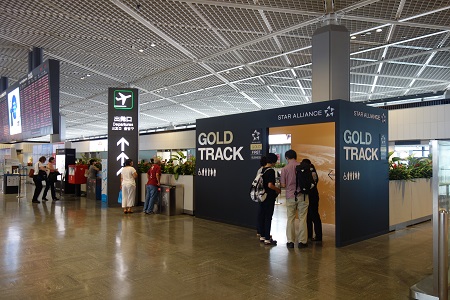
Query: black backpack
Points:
[304, 179]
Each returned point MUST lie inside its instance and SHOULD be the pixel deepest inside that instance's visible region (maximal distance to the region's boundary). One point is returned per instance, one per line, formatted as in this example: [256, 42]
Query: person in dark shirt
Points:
[268, 205]
[313, 220]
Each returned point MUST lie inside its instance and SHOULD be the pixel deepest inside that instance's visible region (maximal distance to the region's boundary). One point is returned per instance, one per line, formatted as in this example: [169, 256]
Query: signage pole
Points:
[123, 137]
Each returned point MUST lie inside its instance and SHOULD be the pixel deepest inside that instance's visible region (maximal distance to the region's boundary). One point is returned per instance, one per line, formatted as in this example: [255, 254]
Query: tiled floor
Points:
[78, 249]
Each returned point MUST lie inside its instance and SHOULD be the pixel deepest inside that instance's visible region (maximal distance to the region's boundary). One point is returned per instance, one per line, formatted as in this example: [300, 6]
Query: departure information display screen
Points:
[30, 107]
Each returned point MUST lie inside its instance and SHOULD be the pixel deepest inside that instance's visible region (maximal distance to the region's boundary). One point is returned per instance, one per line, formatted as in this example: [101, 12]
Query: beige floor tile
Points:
[80, 249]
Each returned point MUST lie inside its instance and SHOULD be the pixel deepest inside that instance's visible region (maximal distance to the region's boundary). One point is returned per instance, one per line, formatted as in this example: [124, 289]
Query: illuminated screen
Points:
[32, 105]
[15, 119]
[4, 117]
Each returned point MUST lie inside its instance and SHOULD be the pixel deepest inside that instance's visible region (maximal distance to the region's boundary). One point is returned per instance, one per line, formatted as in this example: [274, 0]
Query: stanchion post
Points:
[443, 255]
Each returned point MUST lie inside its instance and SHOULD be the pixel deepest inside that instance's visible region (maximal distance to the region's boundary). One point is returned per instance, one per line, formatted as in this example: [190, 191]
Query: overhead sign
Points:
[123, 136]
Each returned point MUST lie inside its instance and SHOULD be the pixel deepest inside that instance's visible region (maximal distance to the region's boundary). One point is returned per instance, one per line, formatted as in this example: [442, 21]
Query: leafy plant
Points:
[143, 166]
[280, 165]
[178, 165]
[84, 160]
[410, 167]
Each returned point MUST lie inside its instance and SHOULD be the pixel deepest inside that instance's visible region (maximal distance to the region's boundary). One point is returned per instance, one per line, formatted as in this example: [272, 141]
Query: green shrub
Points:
[410, 167]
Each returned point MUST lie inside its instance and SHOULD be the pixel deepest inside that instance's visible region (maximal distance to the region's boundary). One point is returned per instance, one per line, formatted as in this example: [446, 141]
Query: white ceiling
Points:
[206, 58]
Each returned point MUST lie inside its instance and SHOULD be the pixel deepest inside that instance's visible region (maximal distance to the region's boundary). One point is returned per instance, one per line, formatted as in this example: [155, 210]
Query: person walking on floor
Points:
[268, 205]
[51, 178]
[313, 221]
[153, 184]
[128, 186]
[288, 180]
[40, 174]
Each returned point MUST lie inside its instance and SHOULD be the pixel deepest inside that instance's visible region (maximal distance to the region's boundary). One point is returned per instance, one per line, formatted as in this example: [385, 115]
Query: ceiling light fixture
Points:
[152, 45]
[141, 50]
[353, 37]
[379, 30]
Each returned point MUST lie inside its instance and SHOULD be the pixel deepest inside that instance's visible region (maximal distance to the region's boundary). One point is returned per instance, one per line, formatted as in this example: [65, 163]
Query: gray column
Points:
[35, 58]
[331, 63]
[3, 84]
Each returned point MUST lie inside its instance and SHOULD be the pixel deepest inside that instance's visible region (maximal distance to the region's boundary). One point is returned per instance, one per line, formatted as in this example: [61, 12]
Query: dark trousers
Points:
[259, 217]
[37, 191]
[265, 214]
[313, 218]
[50, 184]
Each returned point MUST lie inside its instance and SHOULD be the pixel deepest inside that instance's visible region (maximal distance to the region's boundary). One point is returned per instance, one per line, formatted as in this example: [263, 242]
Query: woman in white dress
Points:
[128, 186]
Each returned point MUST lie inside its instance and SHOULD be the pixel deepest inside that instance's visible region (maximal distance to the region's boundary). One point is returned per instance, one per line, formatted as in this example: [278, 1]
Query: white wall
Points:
[421, 123]
[170, 140]
[157, 141]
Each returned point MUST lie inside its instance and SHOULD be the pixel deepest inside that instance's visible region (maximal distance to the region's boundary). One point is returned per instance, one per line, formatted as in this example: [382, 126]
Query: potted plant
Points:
[410, 194]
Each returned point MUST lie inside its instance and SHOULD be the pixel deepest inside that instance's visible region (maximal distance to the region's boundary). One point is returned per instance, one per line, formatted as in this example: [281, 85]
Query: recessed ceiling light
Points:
[379, 30]
[141, 50]
[152, 44]
[88, 75]
[241, 68]
[228, 72]
[82, 78]
[353, 37]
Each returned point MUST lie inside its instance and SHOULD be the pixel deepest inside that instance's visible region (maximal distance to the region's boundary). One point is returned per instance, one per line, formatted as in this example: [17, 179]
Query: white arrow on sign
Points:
[120, 171]
[122, 143]
[122, 158]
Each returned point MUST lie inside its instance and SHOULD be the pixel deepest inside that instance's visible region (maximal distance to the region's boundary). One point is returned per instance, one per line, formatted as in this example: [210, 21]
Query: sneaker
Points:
[301, 245]
[290, 245]
[270, 242]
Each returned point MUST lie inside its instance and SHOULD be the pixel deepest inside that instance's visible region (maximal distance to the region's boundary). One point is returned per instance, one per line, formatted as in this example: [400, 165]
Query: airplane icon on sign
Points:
[121, 97]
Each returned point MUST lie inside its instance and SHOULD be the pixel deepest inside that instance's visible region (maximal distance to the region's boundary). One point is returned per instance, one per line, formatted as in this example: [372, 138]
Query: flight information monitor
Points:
[31, 105]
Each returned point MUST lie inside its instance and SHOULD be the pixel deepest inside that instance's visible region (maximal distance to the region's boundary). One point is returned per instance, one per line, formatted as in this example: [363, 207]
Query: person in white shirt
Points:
[40, 174]
[128, 186]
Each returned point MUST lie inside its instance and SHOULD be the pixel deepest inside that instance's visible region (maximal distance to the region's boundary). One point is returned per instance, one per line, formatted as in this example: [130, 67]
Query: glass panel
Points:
[444, 175]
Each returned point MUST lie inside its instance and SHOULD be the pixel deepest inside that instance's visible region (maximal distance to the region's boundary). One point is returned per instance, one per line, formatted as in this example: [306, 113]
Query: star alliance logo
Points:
[256, 135]
[329, 112]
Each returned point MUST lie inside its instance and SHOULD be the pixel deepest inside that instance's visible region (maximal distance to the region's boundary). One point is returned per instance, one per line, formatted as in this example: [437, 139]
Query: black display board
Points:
[69, 159]
[30, 107]
[229, 148]
[123, 137]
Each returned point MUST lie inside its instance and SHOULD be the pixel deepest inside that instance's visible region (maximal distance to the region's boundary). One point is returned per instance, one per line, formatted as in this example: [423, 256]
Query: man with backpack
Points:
[296, 199]
[267, 205]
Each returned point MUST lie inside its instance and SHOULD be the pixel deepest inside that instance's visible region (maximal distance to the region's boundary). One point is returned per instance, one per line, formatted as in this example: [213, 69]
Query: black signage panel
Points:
[362, 196]
[229, 148]
[123, 137]
[228, 152]
[30, 107]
